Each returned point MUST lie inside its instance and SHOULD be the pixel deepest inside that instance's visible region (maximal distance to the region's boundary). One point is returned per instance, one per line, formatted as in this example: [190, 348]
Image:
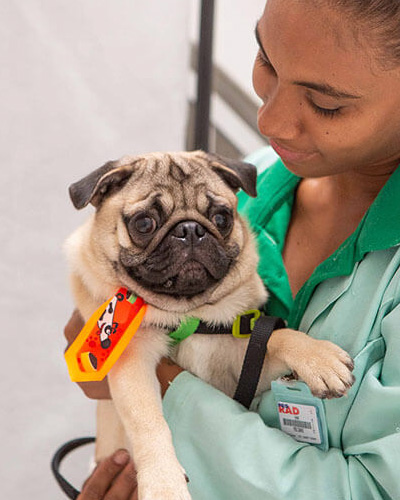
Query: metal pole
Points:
[204, 76]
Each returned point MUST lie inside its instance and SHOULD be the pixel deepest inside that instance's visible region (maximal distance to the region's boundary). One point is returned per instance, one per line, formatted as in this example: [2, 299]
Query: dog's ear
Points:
[237, 174]
[100, 183]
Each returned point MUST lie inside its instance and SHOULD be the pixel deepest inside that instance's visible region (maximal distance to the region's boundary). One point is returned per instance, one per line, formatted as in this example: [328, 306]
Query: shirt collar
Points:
[381, 224]
[378, 230]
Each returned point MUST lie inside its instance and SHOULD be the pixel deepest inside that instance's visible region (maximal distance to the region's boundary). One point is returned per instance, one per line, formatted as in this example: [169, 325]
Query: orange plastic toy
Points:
[104, 337]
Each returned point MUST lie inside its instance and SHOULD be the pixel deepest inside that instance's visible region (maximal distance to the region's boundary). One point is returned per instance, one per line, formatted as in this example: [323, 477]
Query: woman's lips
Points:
[290, 155]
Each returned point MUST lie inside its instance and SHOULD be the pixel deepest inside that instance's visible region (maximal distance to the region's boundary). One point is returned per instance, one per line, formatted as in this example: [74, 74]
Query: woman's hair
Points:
[382, 19]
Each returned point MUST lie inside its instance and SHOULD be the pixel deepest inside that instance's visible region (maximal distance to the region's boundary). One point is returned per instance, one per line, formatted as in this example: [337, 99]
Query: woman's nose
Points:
[279, 117]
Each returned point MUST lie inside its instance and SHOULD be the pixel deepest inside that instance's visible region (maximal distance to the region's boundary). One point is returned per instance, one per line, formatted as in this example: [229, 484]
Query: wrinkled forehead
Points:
[176, 182]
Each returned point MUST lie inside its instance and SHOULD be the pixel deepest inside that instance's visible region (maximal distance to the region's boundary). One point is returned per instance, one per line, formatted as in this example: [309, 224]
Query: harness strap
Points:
[254, 358]
[241, 327]
[204, 329]
[251, 324]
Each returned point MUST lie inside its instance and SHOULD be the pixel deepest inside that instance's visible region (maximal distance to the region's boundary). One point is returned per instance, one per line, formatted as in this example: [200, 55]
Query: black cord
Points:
[58, 457]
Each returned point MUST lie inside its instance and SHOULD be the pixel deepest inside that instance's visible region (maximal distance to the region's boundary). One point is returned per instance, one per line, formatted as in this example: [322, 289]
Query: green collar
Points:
[185, 329]
[241, 327]
[269, 216]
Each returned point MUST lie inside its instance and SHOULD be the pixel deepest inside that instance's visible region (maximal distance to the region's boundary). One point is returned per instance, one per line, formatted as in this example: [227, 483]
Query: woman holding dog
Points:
[327, 218]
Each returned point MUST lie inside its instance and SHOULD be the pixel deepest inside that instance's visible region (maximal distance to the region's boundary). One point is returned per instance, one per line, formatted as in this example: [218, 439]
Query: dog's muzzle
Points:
[187, 262]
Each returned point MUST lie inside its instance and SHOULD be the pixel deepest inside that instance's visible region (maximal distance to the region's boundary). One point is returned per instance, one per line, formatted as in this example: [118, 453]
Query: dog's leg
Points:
[110, 435]
[136, 394]
[324, 366]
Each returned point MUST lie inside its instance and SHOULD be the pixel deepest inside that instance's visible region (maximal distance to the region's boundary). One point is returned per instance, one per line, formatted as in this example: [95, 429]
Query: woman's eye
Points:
[264, 62]
[145, 224]
[328, 112]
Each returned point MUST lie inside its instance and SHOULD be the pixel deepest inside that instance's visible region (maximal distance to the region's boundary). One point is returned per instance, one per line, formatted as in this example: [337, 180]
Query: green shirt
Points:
[352, 299]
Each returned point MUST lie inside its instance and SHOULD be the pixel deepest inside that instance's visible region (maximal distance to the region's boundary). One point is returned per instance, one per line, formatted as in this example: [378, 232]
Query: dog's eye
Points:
[220, 220]
[223, 221]
[144, 224]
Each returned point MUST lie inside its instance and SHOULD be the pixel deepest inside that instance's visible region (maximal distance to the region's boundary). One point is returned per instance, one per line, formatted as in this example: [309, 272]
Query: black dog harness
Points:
[253, 325]
[258, 328]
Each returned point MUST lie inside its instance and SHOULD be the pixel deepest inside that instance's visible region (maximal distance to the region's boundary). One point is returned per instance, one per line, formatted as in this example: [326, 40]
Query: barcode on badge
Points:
[297, 423]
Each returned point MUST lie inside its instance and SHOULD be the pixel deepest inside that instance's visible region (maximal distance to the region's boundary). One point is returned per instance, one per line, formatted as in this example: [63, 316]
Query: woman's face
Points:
[328, 107]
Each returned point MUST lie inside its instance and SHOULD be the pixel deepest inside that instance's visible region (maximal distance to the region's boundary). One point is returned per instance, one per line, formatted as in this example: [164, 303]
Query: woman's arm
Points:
[229, 452]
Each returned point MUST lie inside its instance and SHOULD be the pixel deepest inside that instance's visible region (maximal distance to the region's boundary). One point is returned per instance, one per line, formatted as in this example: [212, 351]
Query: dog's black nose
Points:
[189, 231]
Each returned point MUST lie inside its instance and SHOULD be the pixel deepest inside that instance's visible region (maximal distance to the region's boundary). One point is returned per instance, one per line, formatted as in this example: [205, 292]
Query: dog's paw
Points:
[161, 492]
[171, 488]
[165, 494]
[326, 369]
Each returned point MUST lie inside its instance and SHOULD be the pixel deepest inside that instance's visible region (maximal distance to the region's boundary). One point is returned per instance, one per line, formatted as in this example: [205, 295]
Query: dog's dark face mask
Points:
[180, 223]
[188, 261]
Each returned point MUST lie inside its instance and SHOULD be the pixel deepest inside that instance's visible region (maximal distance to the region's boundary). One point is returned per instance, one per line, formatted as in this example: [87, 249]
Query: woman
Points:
[328, 224]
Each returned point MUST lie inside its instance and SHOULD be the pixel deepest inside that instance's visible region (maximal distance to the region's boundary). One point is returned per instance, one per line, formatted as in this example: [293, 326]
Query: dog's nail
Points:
[187, 479]
[349, 384]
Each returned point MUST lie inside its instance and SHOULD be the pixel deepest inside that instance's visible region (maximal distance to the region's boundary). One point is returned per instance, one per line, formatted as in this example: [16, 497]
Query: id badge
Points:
[301, 415]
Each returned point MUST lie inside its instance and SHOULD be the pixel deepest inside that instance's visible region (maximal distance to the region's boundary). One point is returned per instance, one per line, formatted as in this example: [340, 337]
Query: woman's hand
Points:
[114, 477]
[167, 370]
[93, 390]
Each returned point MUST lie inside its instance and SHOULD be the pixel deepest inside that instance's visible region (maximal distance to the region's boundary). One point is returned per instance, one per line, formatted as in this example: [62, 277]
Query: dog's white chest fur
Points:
[217, 360]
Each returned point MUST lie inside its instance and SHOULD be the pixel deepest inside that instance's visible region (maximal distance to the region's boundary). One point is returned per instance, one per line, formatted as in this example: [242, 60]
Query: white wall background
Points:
[82, 81]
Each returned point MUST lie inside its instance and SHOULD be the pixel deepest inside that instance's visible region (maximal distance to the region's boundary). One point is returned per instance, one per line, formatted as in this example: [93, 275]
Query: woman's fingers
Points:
[114, 478]
[124, 485]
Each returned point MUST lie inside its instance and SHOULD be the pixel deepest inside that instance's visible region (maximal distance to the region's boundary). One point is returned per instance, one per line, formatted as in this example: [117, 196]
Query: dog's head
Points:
[166, 225]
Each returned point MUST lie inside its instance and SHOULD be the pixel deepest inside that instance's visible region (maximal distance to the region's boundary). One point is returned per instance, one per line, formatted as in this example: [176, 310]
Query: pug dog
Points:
[166, 228]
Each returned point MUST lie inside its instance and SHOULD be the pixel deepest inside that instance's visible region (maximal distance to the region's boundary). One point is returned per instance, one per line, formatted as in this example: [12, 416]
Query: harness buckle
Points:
[245, 321]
